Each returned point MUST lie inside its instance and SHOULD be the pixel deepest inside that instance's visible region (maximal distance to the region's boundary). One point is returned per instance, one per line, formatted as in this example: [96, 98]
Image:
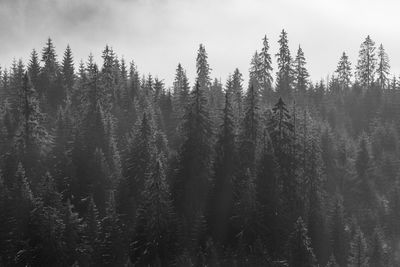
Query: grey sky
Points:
[158, 34]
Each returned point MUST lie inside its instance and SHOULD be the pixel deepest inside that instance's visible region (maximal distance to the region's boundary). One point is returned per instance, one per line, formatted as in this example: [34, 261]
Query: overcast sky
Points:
[158, 34]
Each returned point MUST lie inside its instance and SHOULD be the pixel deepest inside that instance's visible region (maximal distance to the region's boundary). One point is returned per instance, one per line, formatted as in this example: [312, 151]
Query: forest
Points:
[101, 165]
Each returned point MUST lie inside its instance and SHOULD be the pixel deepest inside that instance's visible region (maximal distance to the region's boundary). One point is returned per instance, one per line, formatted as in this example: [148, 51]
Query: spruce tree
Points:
[332, 262]
[34, 69]
[250, 130]
[343, 72]
[281, 131]
[366, 64]
[377, 253]
[32, 139]
[383, 68]
[67, 70]
[191, 183]
[338, 233]
[138, 158]
[112, 248]
[50, 78]
[237, 97]
[265, 70]
[254, 71]
[222, 196]
[267, 192]
[203, 69]
[284, 76]
[300, 73]
[154, 240]
[358, 251]
[300, 252]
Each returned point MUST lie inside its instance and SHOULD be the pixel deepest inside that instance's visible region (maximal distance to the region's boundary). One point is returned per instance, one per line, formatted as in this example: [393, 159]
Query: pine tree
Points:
[284, 76]
[383, 68]
[343, 72]
[358, 251]
[366, 63]
[300, 252]
[300, 73]
[265, 70]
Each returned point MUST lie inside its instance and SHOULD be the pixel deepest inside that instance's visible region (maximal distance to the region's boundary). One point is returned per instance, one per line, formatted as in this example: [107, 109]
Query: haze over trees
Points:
[101, 165]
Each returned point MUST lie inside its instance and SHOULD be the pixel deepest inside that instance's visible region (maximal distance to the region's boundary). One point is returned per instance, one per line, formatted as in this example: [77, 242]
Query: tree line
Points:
[103, 166]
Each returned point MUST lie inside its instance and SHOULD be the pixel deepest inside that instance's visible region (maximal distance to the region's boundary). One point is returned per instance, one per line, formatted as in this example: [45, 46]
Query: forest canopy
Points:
[101, 165]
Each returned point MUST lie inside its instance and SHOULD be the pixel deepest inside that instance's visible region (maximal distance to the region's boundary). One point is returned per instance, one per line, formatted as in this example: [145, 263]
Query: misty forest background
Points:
[103, 166]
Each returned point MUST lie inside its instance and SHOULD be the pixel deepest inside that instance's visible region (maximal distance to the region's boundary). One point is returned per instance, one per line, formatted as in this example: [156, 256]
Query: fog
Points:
[159, 34]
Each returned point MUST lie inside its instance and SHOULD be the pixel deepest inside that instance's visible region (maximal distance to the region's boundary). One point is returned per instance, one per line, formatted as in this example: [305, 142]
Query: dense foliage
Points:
[100, 166]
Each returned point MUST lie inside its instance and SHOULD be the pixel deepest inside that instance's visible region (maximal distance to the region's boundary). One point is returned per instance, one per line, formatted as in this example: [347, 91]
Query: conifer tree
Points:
[343, 72]
[32, 139]
[300, 73]
[366, 64]
[267, 189]
[34, 69]
[139, 156]
[383, 68]
[237, 95]
[222, 196]
[72, 235]
[265, 70]
[281, 131]
[155, 231]
[332, 262]
[44, 246]
[254, 71]
[67, 70]
[284, 76]
[358, 251]
[112, 249]
[338, 234]
[250, 132]
[108, 78]
[50, 78]
[191, 184]
[363, 159]
[203, 69]
[377, 253]
[180, 91]
[300, 252]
